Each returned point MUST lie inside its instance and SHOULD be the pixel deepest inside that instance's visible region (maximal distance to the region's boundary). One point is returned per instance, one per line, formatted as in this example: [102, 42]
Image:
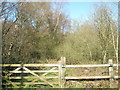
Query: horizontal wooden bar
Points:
[24, 83]
[53, 65]
[29, 65]
[29, 77]
[99, 65]
[91, 77]
[68, 77]
[33, 71]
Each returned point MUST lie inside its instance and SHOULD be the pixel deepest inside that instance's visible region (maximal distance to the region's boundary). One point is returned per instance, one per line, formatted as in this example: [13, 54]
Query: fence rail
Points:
[92, 77]
[29, 65]
[59, 68]
[99, 65]
[37, 71]
[56, 65]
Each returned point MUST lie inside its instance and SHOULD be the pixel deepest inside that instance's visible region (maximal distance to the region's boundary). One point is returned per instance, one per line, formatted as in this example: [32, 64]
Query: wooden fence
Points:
[59, 68]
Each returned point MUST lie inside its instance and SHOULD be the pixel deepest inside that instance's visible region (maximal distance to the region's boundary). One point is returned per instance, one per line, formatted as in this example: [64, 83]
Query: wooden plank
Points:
[62, 72]
[7, 75]
[99, 65]
[111, 73]
[29, 77]
[55, 65]
[24, 83]
[60, 67]
[91, 77]
[12, 84]
[17, 69]
[68, 77]
[63, 62]
[49, 71]
[35, 71]
[29, 65]
[41, 78]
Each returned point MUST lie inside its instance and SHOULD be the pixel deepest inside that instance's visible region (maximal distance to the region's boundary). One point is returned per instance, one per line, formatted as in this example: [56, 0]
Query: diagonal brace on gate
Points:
[41, 75]
[12, 73]
[41, 78]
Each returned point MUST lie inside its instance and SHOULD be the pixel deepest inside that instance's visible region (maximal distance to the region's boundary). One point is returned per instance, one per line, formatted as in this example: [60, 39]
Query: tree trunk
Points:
[104, 57]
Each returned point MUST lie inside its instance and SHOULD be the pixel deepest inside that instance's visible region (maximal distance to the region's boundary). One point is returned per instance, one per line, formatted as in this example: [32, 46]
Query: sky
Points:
[83, 10]
[79, 10]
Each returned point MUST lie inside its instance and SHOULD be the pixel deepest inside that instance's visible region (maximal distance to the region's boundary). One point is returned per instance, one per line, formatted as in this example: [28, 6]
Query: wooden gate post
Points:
[111, 72]
[62, 72]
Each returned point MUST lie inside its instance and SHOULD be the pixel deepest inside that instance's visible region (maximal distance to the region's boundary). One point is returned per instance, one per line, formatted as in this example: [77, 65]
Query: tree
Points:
[31, 31]
[107, 32]
[80, 45]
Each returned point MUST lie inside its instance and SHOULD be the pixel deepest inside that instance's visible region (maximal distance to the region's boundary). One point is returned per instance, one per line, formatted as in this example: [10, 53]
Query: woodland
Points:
[35, 32]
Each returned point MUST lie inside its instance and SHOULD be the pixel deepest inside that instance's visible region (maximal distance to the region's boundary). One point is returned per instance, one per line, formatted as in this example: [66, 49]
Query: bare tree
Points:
[107, 31]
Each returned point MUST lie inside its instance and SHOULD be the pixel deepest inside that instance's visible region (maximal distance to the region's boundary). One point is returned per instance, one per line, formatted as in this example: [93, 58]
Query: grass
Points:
[77, 86]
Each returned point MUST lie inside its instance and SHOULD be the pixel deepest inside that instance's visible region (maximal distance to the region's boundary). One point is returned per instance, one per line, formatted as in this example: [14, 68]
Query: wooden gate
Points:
[24, 75]
[24, 70]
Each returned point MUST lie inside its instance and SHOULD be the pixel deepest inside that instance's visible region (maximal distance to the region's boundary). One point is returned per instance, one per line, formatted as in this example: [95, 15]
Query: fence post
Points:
[111, 72]
[62, 72]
